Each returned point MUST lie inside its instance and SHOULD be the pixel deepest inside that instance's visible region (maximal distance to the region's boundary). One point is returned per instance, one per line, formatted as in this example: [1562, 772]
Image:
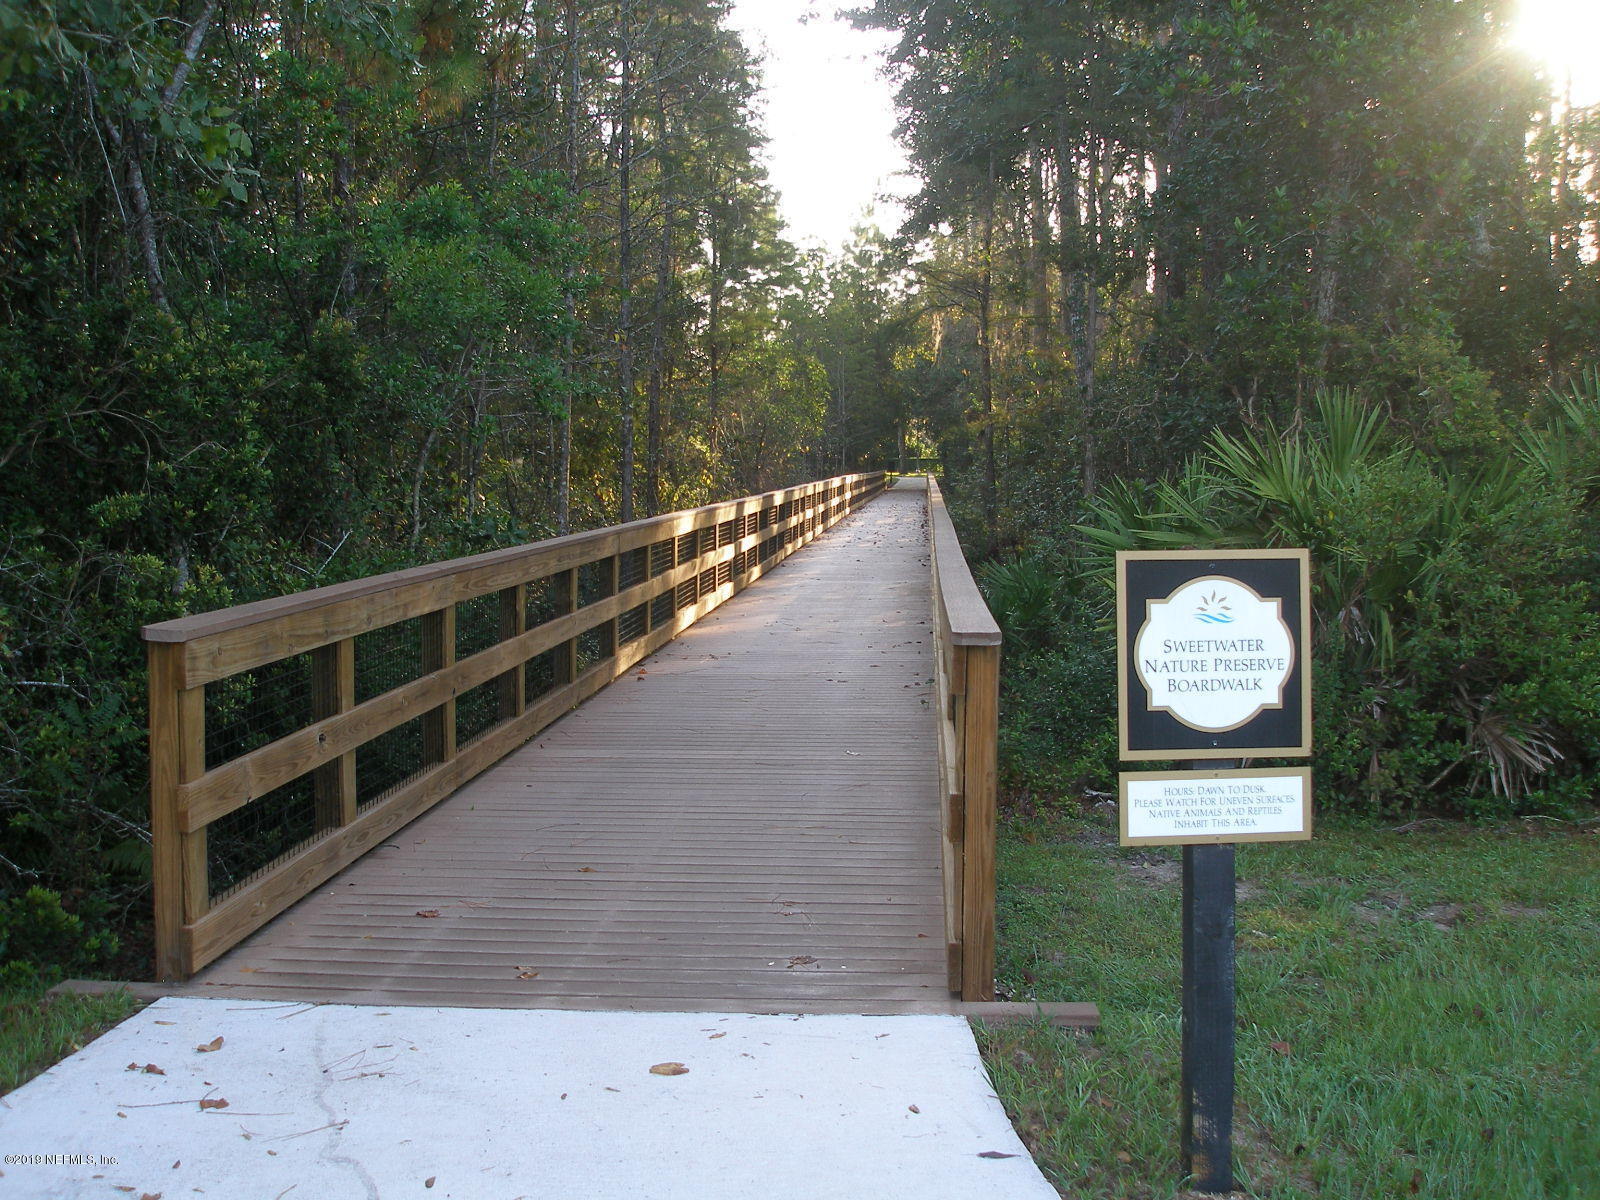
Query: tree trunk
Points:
[625, 251]
[569, 16]
[986, 365]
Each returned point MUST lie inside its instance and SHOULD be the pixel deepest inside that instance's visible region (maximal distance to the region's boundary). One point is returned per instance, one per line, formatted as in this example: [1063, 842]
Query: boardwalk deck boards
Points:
[747, 821]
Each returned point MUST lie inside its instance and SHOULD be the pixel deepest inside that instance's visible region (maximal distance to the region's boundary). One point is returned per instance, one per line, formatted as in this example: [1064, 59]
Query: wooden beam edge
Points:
[1062, 1015]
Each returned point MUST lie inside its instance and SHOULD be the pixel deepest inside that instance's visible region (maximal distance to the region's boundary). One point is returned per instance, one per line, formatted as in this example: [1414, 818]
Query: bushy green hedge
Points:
[1456, 657]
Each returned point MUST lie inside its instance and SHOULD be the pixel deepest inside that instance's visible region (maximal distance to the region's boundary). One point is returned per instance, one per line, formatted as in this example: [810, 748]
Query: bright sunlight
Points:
[1562, 35]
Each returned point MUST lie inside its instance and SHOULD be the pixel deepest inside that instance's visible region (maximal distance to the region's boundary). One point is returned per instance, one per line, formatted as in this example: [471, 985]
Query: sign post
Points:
[1213, 665]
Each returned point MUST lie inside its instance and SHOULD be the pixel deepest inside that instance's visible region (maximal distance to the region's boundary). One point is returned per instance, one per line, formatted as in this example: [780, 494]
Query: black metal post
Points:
[1208, 929]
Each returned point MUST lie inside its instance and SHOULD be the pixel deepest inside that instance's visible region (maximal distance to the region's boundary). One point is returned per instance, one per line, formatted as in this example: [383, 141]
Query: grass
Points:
[1417, 1011]
[37, 1031]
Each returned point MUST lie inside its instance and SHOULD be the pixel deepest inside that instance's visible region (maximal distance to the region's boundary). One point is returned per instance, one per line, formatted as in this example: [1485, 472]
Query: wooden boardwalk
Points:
[747, 821]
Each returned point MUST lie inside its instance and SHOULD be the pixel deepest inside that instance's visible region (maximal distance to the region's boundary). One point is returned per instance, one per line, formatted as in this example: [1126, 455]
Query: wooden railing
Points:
[967, 661]
[544, 627]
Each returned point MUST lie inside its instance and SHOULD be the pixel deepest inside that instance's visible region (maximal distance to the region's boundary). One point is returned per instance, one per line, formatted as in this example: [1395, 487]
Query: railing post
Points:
[979, 735]
[614, 626]
[513, 623]
[180, 881]
[439, 652]
[333, 691]
[565, 584]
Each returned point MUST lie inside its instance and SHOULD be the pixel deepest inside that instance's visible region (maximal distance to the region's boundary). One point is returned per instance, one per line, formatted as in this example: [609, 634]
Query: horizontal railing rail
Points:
[444, 669]
[967, 670]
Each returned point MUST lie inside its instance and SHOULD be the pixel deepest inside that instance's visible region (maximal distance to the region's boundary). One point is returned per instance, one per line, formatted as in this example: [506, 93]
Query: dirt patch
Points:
[1522, 910]
[1442, 916]
[1379, 908]
[1152, 869]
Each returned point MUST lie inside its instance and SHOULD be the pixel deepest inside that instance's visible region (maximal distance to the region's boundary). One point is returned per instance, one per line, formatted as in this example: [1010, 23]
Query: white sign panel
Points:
[1176, 807]
[1214, 654]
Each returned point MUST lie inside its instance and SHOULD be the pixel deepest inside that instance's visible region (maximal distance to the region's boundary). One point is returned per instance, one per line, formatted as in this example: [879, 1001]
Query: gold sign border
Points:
[1302, 651]
[1303, 834]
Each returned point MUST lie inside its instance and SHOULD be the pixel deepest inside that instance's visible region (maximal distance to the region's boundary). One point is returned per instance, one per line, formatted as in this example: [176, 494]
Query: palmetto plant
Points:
[1022, 593]
[1566, 447]
[1419, 574]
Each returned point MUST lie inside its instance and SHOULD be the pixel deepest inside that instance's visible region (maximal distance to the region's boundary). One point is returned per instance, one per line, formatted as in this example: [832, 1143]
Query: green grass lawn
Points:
[37, 1031]
[1418, 1011]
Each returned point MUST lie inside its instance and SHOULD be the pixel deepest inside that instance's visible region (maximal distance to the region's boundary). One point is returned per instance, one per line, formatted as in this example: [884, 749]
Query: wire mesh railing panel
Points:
[594, 581]
[477, 711]
[634, 567]
[248, 841]
[539, 674]
[662, 557]
[388, 657]
[389, 761]
[245, 712]
[662, 608]
[593, 645]
[634, 623]
[477, 624]
[546, 599]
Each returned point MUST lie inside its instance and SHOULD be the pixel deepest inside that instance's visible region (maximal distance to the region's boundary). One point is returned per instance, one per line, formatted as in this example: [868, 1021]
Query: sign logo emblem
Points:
[1214, 654]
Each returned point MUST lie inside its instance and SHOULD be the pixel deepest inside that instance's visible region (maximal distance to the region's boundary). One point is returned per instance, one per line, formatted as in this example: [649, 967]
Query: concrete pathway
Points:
[239, 1100]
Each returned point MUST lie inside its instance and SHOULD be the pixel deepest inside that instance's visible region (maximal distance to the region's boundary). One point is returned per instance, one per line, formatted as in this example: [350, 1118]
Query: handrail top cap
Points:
[197, 625]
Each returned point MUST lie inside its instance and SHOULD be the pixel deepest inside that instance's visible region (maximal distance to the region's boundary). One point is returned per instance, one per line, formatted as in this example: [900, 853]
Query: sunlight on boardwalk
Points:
[745, 822]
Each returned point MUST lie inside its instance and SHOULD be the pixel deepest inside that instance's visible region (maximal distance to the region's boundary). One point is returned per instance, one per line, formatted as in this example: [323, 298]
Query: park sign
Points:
[1200, 807]
[1213, 665]
[1212, 658]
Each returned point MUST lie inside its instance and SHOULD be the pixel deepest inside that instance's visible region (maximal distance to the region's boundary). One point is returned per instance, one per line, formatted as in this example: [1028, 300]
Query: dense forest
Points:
[299, 292]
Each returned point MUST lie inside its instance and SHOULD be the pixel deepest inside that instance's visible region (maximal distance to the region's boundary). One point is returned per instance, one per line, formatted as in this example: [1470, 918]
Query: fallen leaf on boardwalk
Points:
[715, 1036]
[669, 1068]
[428, 1182]
[248, 970]
[914, 1108]
[151, 1196]
[148, 1068]
[586, 870]
[527, 973]
[1281, 1047]
[214, 1044]
[427, 912]
[997, 1154]
[802, 960]
[219, 1102]
[165, 1022]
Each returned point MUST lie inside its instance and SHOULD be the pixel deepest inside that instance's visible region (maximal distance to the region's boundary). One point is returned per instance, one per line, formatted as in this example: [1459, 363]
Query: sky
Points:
[829, 117]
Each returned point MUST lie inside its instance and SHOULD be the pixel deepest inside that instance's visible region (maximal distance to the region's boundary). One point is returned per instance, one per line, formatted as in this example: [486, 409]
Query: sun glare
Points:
[1563, 36]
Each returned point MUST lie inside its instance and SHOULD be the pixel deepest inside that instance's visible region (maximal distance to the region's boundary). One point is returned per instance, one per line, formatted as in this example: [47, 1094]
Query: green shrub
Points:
[1454, 635]
[38, 936]
[1058, 716]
